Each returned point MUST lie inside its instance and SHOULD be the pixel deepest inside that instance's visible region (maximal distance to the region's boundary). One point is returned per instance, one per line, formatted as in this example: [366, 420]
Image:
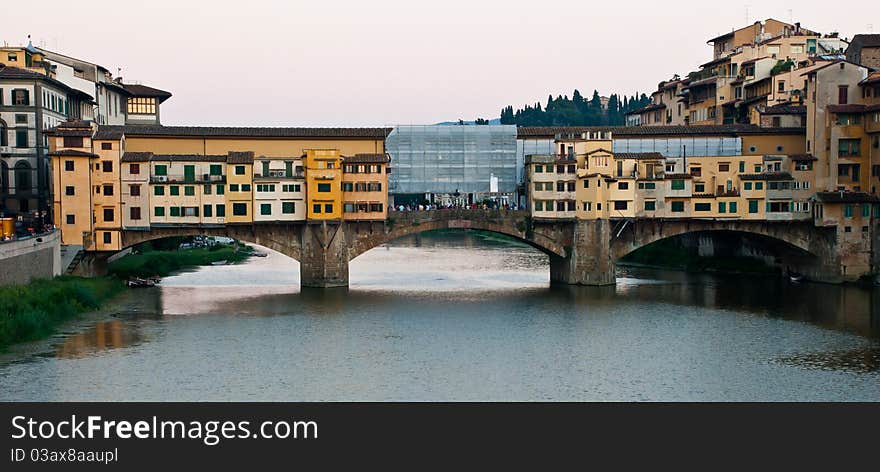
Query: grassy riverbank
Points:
[32, 311]
[149, 262]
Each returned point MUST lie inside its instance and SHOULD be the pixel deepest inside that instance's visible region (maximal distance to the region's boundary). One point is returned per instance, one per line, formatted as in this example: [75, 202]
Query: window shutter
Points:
[27, 97]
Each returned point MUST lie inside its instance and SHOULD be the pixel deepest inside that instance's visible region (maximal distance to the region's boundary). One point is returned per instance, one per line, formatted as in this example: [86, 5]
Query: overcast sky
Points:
[386, 62]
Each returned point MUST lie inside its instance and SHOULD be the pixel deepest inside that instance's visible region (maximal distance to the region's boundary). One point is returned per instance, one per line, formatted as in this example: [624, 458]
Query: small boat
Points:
[137, 282]
[794, 277]
[219, 263]
[260, 254]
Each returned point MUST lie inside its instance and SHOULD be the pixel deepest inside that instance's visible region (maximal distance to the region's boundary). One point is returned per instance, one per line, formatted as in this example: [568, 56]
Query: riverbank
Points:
[153, 263]
[32, 311]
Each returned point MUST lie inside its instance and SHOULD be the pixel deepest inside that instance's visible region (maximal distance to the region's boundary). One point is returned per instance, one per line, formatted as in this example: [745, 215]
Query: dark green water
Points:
[460, 317]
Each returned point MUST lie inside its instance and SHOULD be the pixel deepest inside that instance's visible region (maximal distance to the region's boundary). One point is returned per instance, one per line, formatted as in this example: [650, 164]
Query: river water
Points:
[459, 316]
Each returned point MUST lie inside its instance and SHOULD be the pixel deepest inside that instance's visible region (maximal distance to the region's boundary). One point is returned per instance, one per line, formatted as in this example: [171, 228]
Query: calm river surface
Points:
[460, 316]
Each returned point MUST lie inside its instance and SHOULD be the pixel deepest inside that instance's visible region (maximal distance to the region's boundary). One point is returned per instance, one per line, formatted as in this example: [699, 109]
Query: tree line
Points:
[575, 111]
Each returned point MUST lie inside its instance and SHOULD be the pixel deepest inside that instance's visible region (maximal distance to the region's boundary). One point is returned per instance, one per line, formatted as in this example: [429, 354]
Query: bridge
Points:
[580, 251]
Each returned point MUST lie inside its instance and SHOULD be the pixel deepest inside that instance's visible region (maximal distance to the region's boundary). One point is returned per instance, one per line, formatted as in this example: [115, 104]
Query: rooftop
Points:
[137, 90]
[245, 132]
[678, 130]
[368, 159]
[846, 197]
[767, 176]
[784, 109]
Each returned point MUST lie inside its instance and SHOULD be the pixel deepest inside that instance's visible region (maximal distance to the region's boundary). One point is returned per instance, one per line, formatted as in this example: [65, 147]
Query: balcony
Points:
[278, 176]
[181, 179]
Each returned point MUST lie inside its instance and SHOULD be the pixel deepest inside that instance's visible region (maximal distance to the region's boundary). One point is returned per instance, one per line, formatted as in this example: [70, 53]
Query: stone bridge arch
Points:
[284, 238]
[552, 239]
[810, 250]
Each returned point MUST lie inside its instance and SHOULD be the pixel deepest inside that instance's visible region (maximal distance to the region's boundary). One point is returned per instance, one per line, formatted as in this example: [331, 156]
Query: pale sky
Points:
[386, 62]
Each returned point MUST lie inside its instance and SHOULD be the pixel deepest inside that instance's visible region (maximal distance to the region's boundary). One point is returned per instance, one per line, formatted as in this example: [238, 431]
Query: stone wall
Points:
[26, 259]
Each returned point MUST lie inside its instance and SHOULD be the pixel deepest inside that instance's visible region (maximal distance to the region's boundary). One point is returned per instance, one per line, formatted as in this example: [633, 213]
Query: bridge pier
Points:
[589, 260]
[324, 259]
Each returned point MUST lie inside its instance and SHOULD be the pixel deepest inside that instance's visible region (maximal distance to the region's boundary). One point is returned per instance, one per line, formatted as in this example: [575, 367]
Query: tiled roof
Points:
[851, 108]
[136, 157]
[716, 61]
[784, 109]
[552, 131]
[240, 157]
[75, 124]
[183, 157]
[872, 78]
[72, 153]
[216, 131]
[75, 132]
[638, 155]
[846, 197]
[866, 40]
[767, 176]
[598, 150]
[368, 158]
[144, 91]
[647, 108]
[677, 130]
[12, 73]
[109, 132]
[540, 159]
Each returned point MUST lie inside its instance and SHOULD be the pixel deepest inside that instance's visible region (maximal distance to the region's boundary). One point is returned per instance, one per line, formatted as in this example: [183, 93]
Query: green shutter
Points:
[189, 173]
[206, 211]
[288, 169]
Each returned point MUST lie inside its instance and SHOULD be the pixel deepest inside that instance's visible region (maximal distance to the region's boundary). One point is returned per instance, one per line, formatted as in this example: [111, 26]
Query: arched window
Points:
[4, 134]
[23, 176]
[4, 178]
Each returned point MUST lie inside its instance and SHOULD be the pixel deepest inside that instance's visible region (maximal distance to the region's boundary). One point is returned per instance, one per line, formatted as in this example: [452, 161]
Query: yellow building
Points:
[70, 148]
[240, 192]
[323, 184]
[184, 189]
[365, 187]
[551, 185]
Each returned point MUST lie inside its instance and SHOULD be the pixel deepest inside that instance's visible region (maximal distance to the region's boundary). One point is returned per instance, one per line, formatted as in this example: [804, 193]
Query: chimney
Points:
[797, 27]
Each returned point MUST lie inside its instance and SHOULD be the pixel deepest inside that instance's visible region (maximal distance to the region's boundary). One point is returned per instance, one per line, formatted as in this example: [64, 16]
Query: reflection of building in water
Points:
[102, 336]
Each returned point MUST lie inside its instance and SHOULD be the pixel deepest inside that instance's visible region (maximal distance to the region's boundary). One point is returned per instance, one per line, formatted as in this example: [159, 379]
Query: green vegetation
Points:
[149, 262]
[574, 111]
[32, 311]
[782, 66]
[669, 254]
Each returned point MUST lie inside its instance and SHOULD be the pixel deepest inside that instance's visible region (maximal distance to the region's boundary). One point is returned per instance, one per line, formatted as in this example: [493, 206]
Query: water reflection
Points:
[855, 360]
[103, 335]
[463, 316]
